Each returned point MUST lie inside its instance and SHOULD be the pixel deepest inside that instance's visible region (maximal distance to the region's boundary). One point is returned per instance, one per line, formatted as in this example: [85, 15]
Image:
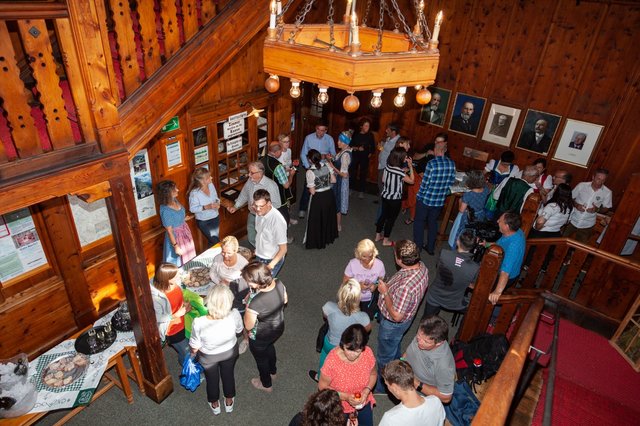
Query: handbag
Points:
[190, 377]
[322, 332]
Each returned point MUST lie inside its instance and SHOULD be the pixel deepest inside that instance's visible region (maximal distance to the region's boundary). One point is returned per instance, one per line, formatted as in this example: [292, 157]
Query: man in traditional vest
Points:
[274, 170]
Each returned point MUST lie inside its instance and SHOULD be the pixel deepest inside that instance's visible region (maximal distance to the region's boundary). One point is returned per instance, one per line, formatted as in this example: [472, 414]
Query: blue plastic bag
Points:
[190, 377]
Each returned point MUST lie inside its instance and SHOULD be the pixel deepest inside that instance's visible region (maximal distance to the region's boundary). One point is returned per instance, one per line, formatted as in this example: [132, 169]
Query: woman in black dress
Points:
[264, 320]
[322, 224]
[363, 144]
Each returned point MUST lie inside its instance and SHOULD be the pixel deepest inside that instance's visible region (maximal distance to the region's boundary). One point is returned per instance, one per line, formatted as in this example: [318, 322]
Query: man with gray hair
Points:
[512, 192]
[257, 180]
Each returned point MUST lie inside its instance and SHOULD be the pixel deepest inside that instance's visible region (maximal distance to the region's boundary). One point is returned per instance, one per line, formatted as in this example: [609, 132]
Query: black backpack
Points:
[479, 358]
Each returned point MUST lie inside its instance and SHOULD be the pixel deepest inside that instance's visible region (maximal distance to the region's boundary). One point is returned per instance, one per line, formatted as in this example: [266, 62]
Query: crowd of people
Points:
[245, 305]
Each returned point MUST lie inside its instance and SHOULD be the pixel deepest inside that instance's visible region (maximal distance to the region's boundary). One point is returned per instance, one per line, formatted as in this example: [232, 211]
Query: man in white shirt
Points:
[414, 409]
[257, 180]
[589, 199]
[271, 232]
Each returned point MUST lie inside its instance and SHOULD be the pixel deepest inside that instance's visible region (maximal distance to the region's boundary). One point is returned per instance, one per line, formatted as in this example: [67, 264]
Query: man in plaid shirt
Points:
[398, 303]
[439, 175]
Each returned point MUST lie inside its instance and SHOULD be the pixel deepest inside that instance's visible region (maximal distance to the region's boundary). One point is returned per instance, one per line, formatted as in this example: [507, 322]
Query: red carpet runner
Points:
[594, 385]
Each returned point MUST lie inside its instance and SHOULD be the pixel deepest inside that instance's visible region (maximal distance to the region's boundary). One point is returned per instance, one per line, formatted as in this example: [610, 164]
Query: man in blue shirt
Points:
[324, 144]
[513, 243]
[439, 175]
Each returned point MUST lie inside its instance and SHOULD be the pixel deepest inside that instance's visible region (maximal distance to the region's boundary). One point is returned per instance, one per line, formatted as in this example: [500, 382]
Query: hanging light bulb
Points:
[351, 103]
[376, 100]
[423, 96]
[323, 96]
[400, 99]
[272, 84]
[295, 88]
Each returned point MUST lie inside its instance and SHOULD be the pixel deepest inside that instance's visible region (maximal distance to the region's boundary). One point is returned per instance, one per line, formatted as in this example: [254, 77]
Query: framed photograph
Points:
[200, 136]
[577, 142]
[538, 131]
[501, 124]
[467, 111]
[434, 112]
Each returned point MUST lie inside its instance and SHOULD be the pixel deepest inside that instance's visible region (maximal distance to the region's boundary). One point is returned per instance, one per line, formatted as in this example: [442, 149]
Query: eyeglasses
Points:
[259, 206]
[255, 173]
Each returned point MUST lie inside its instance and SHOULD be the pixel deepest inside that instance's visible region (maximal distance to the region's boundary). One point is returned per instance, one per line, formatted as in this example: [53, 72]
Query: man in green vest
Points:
[516, 190]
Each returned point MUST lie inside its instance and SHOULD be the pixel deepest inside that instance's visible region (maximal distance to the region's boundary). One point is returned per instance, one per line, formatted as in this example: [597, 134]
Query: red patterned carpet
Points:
[594, 385]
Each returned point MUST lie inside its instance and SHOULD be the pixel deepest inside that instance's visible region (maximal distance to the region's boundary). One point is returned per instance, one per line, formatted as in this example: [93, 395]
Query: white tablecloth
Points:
[81, 391]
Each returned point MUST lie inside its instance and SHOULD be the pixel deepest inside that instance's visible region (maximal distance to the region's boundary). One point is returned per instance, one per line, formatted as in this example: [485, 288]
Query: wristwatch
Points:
[419, 388]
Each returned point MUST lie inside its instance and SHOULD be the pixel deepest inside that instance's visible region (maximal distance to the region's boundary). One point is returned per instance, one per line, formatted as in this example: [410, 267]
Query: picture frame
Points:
[578, 142]
[470, 125]
[533, 123]
[501, 124]
[440, 99]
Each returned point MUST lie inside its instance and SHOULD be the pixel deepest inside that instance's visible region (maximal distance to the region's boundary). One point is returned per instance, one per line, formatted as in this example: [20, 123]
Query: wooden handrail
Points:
[33, 10]
[618, 260]
[496, 403]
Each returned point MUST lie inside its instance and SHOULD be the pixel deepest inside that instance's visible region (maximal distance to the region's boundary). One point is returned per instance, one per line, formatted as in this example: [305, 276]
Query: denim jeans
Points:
[210, 229]
[276, 269]
[365, 416]
[428, 214]
[181, 347]
[389, 339]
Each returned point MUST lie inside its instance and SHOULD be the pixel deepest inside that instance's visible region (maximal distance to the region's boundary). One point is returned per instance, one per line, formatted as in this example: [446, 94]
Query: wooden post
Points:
[624, 219]
[529, 212]
[489, 269]
[128, 243]
[60, 226]
[88, 25]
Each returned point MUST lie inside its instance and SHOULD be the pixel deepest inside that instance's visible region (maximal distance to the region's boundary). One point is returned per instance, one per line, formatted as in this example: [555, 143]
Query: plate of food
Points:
[65, 370]
[196, 277]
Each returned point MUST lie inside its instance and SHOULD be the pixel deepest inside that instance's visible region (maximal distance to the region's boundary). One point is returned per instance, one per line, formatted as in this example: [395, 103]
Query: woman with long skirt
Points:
[322, 226]
[178, 245]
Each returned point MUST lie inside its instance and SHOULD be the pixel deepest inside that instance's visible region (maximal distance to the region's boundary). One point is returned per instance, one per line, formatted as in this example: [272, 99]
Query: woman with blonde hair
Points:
[214, 343]
[366, 269]
[204, 204]
[339, 316]
[226, 269]
[170, 308]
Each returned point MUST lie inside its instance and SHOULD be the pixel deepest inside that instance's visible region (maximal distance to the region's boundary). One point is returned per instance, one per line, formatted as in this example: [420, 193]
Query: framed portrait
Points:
[577, 142]
[467, 111]
[501, 124]
[538, 131]
[435, 111]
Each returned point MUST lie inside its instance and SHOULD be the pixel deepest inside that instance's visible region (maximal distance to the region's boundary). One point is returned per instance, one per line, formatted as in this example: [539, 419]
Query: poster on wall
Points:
[201, 154]
[142, 185]
[20, 246]
[91, 219]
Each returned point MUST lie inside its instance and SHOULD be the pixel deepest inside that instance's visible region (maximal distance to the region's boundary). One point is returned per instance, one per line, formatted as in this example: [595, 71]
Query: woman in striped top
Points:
[393, 179]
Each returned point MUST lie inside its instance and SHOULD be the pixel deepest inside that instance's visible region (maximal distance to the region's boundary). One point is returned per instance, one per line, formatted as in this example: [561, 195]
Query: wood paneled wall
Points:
[579, 60]
[87, 280]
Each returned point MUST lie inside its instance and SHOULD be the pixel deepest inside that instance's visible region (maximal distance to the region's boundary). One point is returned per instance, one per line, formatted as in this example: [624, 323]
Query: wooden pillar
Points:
[529, 212]
[89, 33]
[66, 249]
[479, 309]
[624, 219]
[129, 250]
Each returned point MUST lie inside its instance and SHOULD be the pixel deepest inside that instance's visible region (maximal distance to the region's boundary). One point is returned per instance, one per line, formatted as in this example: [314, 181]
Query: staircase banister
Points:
[519, 295]
[33, 10]
[497, 400]
[618, 260]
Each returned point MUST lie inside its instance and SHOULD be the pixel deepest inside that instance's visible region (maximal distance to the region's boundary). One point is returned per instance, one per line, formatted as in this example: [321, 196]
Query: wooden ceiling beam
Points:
[31, 191]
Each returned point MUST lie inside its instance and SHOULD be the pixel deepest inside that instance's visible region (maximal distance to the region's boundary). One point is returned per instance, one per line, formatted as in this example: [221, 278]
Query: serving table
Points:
[91, 386]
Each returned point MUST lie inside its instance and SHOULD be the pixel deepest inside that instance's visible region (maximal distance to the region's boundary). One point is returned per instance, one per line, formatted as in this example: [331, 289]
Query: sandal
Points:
[408, 221]
[391, 244]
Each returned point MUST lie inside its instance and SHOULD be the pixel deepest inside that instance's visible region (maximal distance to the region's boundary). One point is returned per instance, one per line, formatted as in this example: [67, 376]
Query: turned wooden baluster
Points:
[149, 37]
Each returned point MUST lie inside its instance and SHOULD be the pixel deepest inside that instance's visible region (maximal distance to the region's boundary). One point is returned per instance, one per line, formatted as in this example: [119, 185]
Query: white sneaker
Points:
[216, 410]
[290, 240]
[229, 408]
[293, 221]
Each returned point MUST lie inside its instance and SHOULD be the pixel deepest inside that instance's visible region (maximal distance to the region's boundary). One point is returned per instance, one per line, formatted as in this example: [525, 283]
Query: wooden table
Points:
[108, 381]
